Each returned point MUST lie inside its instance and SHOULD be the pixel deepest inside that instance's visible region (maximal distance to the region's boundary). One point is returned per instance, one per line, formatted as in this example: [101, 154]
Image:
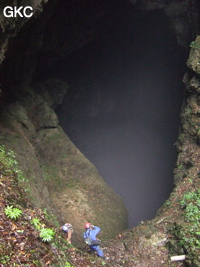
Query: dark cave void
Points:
[122, 108]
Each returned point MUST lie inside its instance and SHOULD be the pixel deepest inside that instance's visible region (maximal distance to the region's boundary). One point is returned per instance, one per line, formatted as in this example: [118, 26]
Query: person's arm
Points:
[69, 236]
[95, 230]
[84, 235]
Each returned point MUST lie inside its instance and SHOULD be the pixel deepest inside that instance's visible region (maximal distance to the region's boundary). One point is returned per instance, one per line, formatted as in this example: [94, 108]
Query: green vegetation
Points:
[9, 164]
[51, 217]
[12, 213]
[20, 245]
[67, 264]
[191, 204]
[36, 223]
[4, 259]
[7, 159]
[47, 234]
[195, 44]
[167, 203]
[189, 233]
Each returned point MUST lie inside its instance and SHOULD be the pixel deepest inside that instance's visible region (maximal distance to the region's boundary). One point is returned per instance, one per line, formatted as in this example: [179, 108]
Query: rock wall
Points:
[57, 175]
[184, 16]
[10, 27]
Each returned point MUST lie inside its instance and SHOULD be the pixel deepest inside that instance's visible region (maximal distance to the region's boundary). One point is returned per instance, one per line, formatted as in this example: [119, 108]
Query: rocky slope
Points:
[60, 178]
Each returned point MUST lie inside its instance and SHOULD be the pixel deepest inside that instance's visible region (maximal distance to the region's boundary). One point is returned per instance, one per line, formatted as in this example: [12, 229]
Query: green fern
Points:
[36, 223]
[47, 234]
[12, 213]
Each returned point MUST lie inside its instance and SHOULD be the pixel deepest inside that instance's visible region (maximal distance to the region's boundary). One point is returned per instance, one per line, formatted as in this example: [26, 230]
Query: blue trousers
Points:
[98, 250]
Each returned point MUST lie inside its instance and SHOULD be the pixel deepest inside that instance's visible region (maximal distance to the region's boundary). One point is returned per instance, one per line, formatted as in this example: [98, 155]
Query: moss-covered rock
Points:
[194, 58]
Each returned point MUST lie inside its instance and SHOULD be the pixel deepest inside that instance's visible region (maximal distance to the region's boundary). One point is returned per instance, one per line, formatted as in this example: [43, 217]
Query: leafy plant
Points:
[4, 259]
[47, 234]
[67, 264]
[36, 223]
[168, 203]
[195, 44]
[8, 163]
[12, 213]
[190, 181]
[7, 160]
[189, 233]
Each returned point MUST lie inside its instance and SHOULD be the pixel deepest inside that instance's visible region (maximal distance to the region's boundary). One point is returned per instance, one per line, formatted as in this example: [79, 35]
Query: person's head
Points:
[68, 224]
[87, 225]
[65, 228]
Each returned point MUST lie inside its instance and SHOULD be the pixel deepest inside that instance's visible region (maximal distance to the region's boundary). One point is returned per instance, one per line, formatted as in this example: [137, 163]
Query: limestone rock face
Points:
[58, 175]
[184, 16]
[52, 91]
[194, 59]
[11, 26]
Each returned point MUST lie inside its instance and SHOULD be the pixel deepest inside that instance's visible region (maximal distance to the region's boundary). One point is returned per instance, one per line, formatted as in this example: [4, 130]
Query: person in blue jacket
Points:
[91, 231]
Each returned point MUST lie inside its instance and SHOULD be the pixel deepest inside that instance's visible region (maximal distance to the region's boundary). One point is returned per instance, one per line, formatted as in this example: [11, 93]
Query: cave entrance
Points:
[122, 108]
